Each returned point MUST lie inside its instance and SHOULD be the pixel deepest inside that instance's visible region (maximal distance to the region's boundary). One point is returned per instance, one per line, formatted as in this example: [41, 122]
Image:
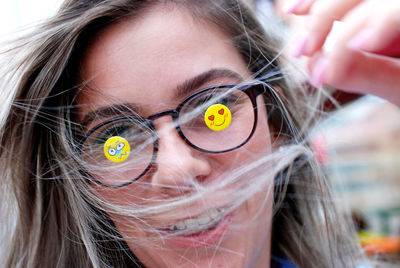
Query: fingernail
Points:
[357, 42]
[292, 6]
[300, 47]
[318, 72]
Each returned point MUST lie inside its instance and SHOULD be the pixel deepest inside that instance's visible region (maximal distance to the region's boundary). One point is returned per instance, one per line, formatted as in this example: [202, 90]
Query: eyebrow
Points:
[194, 83]
[108, 111]
[182, 89]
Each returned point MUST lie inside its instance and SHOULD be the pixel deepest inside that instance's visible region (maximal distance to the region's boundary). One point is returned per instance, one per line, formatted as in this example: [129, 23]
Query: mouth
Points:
[205, 229]
[221, 123]
[121, 155]
[201, 223]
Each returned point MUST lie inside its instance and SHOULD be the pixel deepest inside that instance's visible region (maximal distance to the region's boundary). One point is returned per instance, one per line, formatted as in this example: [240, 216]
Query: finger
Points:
[322, 15]
[359, 72]
[298, 7]
[356, 70]
[382, 36]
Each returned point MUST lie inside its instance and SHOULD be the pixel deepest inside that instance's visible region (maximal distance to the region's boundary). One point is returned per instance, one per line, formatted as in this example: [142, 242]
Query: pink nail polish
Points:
[318, 72]
[290, 8]
[300, 47]
[357, 42]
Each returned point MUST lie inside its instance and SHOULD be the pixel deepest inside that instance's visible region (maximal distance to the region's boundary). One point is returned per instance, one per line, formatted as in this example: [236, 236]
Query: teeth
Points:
[213, 213]
[180, 226]
[203, 222]
[191, 223]
[204, 219]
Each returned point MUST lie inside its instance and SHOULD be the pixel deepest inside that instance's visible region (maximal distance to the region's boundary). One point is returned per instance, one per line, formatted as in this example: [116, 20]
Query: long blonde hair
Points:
[53, 218]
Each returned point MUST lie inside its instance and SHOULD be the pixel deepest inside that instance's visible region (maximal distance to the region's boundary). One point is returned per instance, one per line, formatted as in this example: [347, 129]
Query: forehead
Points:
[142, 60]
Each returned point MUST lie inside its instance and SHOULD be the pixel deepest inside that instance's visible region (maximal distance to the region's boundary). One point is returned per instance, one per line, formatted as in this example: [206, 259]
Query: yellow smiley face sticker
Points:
[218, 117]
[117, 149]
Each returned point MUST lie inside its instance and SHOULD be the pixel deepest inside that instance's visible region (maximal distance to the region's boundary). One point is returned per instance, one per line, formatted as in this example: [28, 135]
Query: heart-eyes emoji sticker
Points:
[218, 117]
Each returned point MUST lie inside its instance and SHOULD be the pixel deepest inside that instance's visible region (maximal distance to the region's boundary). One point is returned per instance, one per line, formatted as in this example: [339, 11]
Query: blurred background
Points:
[16, 15]
[358, 145]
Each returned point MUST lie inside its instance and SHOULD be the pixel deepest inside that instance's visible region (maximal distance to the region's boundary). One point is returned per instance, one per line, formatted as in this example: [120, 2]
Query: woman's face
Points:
[154, 62]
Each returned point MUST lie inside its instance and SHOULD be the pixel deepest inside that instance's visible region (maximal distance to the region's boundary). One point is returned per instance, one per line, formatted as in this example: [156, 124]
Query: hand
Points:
[366, 54]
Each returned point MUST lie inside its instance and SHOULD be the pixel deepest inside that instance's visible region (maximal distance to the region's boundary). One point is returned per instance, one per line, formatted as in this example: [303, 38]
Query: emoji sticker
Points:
[117, 149]
[218, 117]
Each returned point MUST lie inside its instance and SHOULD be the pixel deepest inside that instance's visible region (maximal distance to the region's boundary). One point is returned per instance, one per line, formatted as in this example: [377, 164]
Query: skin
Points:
[142, 61]
[366, 54]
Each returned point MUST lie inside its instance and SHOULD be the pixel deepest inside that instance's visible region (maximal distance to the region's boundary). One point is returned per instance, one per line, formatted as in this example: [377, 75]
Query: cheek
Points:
[126, 198]
[133, 193]
[260, 143]
[258, 147]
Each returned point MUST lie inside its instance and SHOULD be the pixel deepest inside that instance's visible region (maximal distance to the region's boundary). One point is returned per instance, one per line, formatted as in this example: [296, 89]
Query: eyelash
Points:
[105, 134]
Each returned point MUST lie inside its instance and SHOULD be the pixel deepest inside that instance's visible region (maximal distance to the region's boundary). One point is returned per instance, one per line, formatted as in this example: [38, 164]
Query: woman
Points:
[161, 134]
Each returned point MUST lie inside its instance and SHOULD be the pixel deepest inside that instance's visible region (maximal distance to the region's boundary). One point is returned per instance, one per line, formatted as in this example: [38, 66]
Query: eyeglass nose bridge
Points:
[173, 113]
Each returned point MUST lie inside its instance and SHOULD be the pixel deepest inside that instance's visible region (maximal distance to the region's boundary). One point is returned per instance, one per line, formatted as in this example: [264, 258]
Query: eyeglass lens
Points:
[213, 121]
[233, 119]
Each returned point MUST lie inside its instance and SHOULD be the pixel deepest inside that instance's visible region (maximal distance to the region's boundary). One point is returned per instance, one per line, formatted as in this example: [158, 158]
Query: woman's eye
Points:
[228, 101]
[209, 100]
[104, 135]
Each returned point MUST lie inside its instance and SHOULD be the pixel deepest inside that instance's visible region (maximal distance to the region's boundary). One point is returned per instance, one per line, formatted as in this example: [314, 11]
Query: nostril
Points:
[179, 172]
[201, 179]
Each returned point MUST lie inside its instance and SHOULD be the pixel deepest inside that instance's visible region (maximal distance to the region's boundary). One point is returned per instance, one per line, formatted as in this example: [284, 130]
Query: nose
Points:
[178, 166]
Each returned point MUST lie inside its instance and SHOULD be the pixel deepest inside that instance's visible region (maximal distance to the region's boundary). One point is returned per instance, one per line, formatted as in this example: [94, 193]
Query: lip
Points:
[204, 239]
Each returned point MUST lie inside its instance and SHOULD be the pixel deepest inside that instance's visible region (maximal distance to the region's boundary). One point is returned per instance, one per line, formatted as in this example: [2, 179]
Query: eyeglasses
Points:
[217, 119]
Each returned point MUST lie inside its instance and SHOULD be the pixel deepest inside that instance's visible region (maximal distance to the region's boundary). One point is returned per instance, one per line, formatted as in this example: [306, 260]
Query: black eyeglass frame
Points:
[251, 90]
